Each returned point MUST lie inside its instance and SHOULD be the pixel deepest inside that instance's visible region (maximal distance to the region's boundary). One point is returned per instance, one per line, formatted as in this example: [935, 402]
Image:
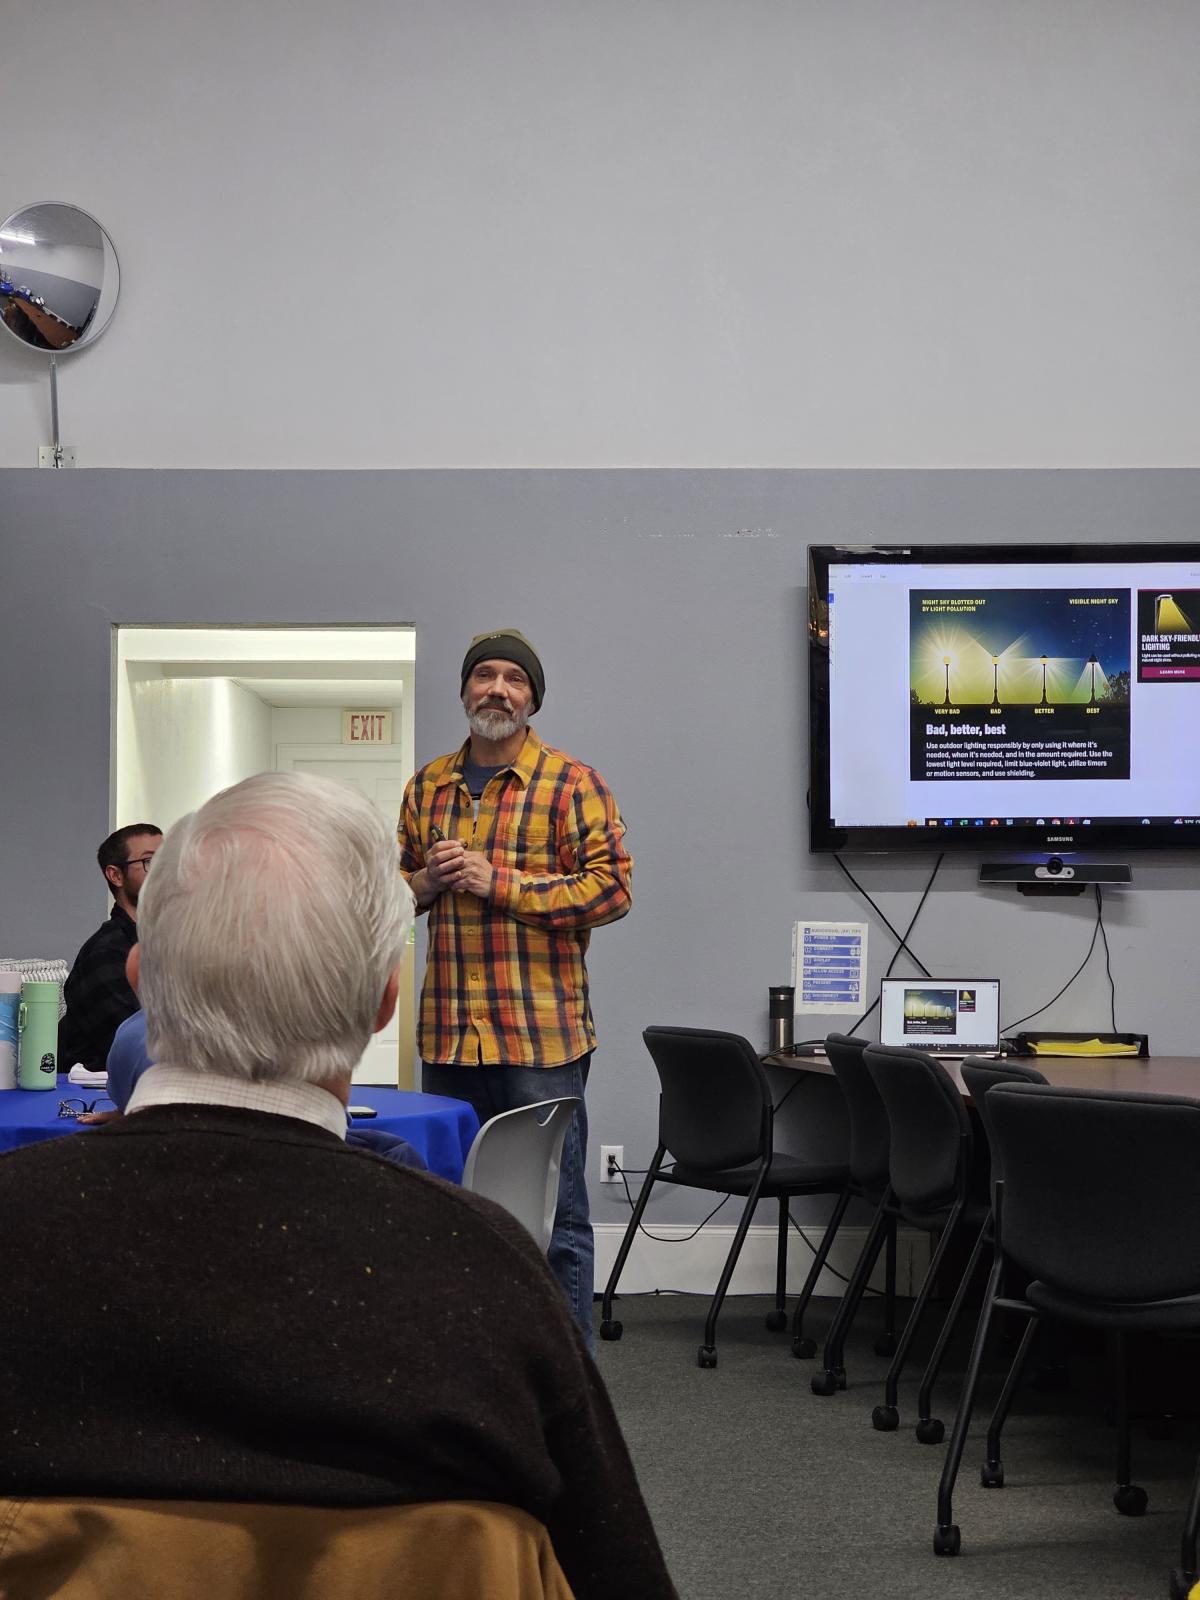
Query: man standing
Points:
[277, 1318]
[516, 851]
[97, 994]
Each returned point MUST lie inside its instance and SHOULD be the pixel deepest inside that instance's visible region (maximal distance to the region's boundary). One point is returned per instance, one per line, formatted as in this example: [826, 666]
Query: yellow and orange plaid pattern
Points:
[505, 980]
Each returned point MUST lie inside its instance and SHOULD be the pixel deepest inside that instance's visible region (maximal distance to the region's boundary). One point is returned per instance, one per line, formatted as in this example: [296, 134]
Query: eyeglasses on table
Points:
[84, 1108]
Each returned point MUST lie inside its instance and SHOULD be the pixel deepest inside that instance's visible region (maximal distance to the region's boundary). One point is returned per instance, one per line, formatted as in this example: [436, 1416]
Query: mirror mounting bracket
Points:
[55, 454]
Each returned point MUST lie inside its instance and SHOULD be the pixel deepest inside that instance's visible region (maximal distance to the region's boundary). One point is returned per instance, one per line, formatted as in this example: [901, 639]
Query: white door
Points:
[380, 774]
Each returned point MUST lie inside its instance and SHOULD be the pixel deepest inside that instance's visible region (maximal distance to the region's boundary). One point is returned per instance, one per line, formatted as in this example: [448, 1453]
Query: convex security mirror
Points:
[59, 277]
[59, 280]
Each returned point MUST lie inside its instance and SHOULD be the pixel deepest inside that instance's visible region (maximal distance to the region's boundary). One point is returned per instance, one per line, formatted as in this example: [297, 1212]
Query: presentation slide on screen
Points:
[940, 1011]
[992, 695]
[1014, 683]
[934, 1012]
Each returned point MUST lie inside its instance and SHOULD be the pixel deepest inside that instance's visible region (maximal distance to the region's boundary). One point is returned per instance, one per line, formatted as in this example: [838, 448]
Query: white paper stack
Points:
[86, 1079]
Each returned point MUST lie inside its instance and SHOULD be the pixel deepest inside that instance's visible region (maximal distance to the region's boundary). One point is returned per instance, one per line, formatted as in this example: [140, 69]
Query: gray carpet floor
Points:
[758, 1488]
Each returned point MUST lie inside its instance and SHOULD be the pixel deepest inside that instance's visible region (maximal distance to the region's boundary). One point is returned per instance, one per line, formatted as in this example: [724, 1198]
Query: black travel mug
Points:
[783, 1009]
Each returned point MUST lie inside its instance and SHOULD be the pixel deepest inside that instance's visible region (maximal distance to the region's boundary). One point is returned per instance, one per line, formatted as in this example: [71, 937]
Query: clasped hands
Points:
[450, 865]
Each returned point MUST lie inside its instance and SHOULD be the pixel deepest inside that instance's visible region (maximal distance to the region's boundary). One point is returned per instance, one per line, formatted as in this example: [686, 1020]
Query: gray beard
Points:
[491, 723]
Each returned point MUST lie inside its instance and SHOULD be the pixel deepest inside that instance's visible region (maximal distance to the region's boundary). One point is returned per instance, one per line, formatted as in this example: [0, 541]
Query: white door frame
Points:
[406, 1004]
[332, 752]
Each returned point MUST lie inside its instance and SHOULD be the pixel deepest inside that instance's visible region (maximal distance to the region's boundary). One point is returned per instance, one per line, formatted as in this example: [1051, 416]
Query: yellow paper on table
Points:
[1081, 1047]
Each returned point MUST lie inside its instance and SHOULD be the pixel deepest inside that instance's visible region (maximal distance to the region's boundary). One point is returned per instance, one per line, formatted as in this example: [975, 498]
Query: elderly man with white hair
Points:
[215, 1299]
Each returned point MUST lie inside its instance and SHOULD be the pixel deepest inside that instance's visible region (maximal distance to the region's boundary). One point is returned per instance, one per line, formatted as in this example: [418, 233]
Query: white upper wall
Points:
[409, 233]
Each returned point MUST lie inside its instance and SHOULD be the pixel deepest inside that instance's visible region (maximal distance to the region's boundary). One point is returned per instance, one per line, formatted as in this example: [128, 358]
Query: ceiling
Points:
[352, 685]
[358, 694]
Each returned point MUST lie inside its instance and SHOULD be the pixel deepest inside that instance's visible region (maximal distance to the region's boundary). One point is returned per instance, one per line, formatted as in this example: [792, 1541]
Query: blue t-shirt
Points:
[128, 1059]
[477, 779]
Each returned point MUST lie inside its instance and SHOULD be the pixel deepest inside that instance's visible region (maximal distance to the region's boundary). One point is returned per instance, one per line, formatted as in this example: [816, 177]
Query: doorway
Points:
[196, 709]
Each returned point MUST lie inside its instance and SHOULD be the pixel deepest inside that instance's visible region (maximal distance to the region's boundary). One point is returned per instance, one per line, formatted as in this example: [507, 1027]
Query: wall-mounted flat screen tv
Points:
[1005, 697]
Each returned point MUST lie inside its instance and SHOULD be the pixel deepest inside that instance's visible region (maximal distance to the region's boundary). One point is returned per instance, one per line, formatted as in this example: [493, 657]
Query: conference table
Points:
[810, 1110]
[441, 1129]
[1177, 1075]
[811, 1118]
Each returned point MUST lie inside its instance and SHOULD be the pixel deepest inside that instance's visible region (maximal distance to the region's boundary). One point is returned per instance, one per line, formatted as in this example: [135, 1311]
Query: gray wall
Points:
[669, 607]
[443, 233]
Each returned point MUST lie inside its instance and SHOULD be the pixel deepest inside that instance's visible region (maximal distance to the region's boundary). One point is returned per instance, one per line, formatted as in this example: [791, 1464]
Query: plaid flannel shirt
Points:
[505, 981]
[98, 995]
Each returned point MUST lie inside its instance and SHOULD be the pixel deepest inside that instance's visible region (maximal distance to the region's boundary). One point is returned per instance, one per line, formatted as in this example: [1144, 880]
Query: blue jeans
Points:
[493, 1089]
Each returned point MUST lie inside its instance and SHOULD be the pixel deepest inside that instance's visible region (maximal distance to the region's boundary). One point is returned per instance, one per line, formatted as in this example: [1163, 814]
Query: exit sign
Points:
[366, 727]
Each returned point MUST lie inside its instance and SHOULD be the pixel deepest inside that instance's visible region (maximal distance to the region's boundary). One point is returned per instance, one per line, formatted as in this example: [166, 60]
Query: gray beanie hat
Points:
[506, 644]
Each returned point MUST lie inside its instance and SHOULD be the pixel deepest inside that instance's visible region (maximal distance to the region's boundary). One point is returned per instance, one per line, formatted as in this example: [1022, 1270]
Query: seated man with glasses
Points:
[97, 992]
[282, 1320]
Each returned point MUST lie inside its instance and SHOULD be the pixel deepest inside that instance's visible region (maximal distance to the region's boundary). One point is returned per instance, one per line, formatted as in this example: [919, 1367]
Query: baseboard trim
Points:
[672, 1260]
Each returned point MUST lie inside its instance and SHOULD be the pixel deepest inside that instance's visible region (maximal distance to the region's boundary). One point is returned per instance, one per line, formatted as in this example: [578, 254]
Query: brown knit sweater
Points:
[213, 1304]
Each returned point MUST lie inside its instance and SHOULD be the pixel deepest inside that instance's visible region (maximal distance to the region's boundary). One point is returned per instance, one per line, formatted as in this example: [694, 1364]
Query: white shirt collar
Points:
[165, 1085]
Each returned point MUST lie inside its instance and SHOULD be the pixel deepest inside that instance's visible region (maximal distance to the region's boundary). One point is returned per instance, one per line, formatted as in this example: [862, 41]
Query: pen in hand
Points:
[436, 836]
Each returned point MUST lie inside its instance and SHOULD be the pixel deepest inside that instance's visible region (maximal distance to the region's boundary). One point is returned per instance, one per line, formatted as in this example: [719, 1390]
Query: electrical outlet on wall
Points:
[612, 1158]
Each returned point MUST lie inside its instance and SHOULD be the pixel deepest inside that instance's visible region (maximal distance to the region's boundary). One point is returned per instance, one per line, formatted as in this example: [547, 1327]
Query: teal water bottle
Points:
[37, 1021]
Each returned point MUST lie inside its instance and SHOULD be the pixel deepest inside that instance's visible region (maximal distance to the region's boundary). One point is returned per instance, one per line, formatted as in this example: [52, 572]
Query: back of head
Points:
[268, 929]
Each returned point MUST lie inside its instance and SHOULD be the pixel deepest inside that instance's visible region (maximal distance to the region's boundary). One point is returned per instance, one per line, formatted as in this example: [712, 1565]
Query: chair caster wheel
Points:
[706, 1356]
[885, 1419]
[991, 1475]
[931, 1430]
[823, 1383]
[1180, 1584]
[776, 1321]
[611, 1330]
[1131, 1500]
[947, 1540]
[804, 1349]
[885, 1345]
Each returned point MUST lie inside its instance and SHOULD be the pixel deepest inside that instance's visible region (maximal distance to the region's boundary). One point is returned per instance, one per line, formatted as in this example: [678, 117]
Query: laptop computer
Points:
[947, 1017]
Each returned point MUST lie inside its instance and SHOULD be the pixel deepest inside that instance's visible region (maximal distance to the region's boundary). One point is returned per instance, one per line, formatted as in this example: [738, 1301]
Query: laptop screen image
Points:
[950, 1016]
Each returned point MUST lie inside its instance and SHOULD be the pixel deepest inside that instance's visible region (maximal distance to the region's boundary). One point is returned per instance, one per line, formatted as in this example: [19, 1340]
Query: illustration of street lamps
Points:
[1044, 661]
[1168, 615]
[1093, 663]
[946, 660]
[995, 683]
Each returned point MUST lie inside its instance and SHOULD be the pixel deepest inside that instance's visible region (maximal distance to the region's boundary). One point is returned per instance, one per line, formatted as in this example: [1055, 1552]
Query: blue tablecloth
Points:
[439, 1128]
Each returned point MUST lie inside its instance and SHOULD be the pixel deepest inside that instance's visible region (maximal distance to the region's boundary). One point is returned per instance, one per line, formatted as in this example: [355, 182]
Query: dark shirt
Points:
[477, 778]
[275, 1317]
[98, 995]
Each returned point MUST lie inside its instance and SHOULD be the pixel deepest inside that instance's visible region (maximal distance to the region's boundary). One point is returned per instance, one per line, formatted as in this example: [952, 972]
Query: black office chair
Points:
[715, 1118]
[929, 1167]
[868, 1180]
[1097, 1204]
[979, 1076]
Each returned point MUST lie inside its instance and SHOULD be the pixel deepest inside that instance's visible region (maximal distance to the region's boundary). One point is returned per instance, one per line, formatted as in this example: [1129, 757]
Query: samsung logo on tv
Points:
[1060, 838]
